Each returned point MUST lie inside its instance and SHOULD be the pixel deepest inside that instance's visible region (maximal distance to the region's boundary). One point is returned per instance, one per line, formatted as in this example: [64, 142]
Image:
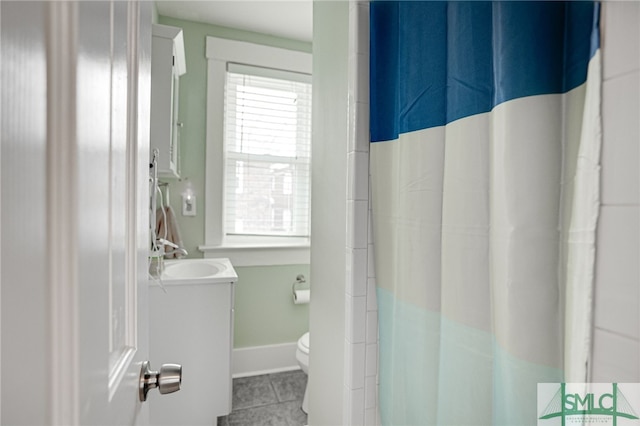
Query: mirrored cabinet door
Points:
[167, 65]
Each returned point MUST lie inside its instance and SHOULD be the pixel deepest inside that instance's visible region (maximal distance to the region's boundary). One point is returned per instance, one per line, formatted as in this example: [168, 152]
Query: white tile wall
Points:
[371, 362]
[356, 317]
[370, 392]
[620, 37]
[371, 416]
[620, 105]
[361, 343]
[372, 324]
[357, 272]
[357, 217]
[618, 244]
[615, 358]
[616, 343]
[358, 187]
[372, 300]
[357, 407]
[617, 291]
[362, 123]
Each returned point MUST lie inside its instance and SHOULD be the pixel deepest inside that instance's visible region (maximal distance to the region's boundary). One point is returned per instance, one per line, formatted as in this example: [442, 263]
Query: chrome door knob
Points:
[168, 380]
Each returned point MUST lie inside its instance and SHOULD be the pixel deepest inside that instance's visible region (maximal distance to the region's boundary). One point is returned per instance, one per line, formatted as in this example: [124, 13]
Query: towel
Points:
[172, 230]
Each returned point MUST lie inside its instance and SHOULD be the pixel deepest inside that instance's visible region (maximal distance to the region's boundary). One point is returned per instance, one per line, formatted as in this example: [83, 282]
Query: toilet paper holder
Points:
[299, 280]
[300, 296]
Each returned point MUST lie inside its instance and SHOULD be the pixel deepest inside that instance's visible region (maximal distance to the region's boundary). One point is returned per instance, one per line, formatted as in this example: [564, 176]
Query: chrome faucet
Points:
[176, 248]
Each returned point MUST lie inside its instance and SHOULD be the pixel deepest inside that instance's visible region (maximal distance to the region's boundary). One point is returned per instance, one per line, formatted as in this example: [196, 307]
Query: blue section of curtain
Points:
[435, 62]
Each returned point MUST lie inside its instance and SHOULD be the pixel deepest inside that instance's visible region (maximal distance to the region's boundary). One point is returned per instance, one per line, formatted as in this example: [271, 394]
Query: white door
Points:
[75, 154]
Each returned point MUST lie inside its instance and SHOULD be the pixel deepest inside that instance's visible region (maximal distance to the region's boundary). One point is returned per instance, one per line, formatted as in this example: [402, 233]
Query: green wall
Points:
[264, 311]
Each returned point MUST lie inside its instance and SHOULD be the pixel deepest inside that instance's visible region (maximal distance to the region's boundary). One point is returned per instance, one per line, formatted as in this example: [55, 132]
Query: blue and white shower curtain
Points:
[485, 129]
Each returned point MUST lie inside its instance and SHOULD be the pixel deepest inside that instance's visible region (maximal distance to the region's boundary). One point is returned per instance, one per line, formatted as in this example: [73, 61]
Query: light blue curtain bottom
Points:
[477, 380]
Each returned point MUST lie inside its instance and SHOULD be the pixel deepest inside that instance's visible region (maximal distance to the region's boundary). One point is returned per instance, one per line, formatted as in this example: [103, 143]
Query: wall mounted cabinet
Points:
[167, 65]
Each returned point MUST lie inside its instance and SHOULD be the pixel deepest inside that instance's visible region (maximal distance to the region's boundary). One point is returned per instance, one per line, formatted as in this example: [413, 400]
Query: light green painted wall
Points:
[192, 110]
[264, 311]
[154, 13]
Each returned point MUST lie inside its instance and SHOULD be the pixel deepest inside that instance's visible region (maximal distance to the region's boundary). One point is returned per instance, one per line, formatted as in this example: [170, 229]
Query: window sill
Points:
[256, 252]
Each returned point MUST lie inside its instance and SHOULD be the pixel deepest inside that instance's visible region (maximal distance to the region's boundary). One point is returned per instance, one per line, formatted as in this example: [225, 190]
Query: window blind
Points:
[267, 152]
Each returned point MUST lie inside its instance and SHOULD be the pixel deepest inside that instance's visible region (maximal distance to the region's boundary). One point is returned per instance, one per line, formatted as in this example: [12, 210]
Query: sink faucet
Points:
[176, 248]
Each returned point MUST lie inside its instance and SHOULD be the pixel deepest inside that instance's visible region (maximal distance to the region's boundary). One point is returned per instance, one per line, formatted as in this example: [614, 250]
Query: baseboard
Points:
[267, 359]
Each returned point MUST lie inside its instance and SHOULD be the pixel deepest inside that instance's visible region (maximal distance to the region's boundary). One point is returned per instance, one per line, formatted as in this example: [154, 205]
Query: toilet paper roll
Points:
[300, 297]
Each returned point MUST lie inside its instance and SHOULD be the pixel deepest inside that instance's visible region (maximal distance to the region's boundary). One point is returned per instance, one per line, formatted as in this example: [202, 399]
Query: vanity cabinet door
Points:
[193, 324]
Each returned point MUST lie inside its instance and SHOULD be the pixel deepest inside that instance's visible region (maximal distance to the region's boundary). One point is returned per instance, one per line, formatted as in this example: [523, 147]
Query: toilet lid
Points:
[303, 343]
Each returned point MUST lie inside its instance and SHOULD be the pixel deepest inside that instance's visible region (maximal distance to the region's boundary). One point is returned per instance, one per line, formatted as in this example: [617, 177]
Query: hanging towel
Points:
[168, 222]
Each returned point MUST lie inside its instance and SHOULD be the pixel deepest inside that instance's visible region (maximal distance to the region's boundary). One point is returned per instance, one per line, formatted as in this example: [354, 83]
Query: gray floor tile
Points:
[267, 415]
[289, 386]
[268, 400]
[252, 392]
[293, 412]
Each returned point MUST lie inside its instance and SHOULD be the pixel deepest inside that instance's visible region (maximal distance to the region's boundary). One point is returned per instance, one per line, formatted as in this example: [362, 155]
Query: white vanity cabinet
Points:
[167, 65]
[191, 323]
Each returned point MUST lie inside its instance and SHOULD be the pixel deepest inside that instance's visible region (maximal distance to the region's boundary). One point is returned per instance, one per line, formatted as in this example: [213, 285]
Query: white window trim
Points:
[242, 251]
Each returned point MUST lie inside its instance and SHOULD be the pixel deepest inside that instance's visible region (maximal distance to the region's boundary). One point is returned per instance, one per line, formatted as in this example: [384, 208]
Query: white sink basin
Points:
[198, 271]
[190, 269]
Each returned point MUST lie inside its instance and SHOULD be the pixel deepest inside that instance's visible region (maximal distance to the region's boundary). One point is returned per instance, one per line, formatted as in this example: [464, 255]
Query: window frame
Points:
[296, 140]
[242, 250]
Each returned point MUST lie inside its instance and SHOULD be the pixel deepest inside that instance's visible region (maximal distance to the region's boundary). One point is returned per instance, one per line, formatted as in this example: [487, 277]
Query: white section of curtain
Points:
[582, 232]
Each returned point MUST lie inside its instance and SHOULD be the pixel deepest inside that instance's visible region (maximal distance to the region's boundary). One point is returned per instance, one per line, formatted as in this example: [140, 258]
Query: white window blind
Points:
[267, 152]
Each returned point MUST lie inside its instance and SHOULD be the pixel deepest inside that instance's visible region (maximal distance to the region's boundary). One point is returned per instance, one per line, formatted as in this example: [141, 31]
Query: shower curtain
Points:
[485, 130]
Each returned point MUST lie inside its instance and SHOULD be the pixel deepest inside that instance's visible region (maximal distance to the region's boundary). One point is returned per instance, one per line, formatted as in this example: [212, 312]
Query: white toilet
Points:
[302, 355]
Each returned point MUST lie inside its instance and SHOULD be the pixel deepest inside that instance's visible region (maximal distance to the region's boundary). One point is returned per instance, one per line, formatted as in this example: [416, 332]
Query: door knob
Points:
[168, 380]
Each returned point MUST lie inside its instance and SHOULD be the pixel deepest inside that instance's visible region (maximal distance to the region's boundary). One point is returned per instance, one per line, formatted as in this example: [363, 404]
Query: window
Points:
[267, 152]
[257, 183]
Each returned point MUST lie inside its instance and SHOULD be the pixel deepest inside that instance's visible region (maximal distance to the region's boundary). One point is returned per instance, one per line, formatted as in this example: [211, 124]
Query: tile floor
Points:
[268, 400]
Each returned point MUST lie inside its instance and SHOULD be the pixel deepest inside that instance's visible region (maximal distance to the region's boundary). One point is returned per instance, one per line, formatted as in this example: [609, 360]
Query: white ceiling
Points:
[283, 18]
